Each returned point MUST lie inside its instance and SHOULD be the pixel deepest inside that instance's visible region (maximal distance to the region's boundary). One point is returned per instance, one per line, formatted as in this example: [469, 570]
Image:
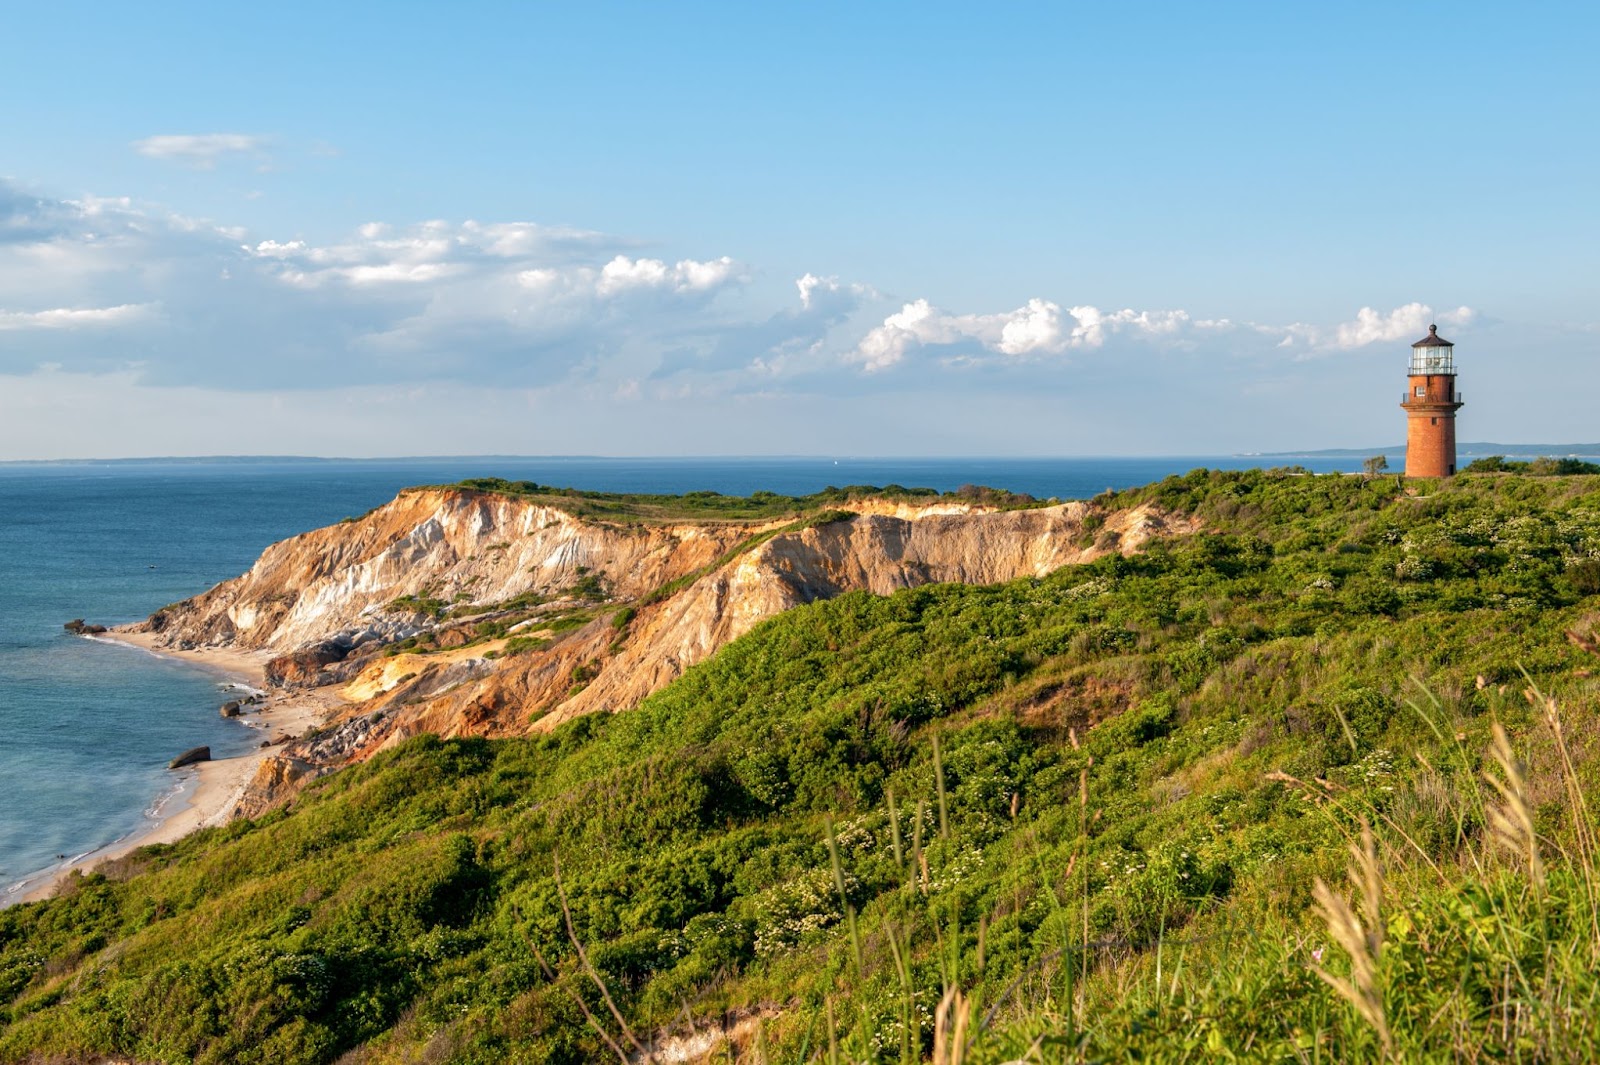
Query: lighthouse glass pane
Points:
[1433, 360]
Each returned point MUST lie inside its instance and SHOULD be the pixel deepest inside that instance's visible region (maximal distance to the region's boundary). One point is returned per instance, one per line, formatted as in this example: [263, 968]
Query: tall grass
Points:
[1486, 950]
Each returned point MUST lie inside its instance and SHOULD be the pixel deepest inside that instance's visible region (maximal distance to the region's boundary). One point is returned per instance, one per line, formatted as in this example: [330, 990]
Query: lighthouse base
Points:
[1431, 443]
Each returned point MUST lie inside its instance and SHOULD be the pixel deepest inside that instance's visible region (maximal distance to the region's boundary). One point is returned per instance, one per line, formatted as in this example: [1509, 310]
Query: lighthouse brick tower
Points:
[1430, 404]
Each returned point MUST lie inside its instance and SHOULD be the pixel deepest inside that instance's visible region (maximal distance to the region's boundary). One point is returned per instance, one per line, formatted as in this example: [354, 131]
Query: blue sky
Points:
[825, 229]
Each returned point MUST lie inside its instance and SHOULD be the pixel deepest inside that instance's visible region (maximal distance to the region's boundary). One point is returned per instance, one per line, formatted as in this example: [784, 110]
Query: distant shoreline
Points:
[1467, 448]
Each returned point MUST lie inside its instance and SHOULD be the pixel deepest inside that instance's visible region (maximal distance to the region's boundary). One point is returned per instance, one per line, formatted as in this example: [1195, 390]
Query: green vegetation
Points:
[1539, 467]
[426, 605]
[714, 506]
[520, 644]
[1076, 818]
[589, 586]
[525, 601]
[531, 610]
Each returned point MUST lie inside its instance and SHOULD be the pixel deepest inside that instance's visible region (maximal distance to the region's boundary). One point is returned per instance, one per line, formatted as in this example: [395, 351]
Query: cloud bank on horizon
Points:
[107, 285]
[138, 304]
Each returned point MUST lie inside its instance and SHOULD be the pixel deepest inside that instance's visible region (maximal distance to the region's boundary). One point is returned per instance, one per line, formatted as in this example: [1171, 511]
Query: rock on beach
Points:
[190, 757]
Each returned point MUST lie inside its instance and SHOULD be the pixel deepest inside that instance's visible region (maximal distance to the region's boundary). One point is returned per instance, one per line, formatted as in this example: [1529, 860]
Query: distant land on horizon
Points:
[265, 460]
[1476, 449]
[1468, 448]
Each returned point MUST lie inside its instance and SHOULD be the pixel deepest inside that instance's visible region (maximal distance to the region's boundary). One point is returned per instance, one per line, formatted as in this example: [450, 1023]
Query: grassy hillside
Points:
[1077, 818]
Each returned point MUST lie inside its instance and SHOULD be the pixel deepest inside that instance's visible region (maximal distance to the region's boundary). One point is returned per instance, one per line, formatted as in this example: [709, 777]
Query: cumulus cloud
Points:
[622, 274]
[1405, 323]
[1036, 327]
[1042, 328]
[1039, 327]
[912, 325]
[829, 294]
[200, 150]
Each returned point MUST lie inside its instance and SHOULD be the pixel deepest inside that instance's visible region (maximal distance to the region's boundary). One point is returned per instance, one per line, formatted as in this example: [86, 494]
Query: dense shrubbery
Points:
[1543, 466]
[1086, 811]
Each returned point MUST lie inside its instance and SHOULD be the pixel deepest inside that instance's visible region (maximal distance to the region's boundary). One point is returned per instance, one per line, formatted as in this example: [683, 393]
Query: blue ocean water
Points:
[86, 727]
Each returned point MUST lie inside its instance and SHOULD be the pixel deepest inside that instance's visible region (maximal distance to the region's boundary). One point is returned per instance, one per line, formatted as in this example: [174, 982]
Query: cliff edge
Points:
[467, 612]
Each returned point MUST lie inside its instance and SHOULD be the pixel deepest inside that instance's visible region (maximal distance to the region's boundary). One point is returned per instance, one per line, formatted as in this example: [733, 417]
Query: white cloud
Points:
[828, 295]
[72, 317]
[1094, 325]
[1404, 324]
[274, 250]
[1041, 328]
[1407, 323]
[914, 324]
[380, 253]
[810, 286]
[1370, 327]
[200, 150]
[1036, 328]
[622, 274]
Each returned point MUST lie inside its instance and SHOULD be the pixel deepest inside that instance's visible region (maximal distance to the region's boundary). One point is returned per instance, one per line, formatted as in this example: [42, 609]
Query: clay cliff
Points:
[464, 612]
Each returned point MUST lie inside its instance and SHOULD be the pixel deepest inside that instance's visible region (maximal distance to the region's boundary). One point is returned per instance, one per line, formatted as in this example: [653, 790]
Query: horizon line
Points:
[1468, 447]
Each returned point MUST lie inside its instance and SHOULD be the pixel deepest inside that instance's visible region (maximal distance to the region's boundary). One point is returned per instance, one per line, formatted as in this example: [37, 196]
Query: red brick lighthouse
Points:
[1430, 404]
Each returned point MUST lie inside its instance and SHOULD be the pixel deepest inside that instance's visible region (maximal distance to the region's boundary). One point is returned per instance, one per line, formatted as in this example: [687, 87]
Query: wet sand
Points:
[211, 790]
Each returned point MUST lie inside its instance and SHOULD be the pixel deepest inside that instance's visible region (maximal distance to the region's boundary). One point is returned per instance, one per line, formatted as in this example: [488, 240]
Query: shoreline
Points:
[206, 794]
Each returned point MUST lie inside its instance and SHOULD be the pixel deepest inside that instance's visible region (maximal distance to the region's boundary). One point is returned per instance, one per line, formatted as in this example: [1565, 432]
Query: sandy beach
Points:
[211, 790]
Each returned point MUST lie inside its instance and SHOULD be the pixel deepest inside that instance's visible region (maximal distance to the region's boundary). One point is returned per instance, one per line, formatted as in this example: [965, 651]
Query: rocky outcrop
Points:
[304, 668]
[441, 565]
[190, 757]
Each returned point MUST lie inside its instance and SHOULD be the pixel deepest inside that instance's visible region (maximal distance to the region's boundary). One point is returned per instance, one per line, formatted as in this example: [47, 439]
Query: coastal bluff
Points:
[460, 611]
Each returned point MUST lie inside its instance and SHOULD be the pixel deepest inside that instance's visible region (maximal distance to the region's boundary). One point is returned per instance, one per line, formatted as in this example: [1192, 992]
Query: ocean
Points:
[87, 726]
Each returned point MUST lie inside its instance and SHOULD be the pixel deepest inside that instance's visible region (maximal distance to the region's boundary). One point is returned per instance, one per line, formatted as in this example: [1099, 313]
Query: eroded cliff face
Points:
[881, 550]
[331, 603]
[452, 545]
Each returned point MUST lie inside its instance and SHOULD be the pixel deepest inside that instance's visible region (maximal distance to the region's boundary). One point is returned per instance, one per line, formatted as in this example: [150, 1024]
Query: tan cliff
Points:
[597, 614]
[456, 545]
